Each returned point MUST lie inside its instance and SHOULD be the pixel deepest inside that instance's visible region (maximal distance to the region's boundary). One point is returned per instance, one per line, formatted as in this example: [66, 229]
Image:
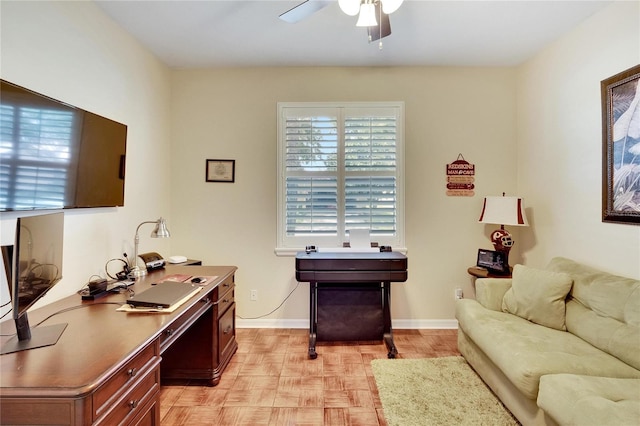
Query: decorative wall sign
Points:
[221, 171]
[621, 147]
[460, 178]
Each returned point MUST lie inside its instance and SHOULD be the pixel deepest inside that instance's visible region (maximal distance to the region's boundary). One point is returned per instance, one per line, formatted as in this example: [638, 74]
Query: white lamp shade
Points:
[390, 6]
[503, 211]
[350, 7]
[367, 17]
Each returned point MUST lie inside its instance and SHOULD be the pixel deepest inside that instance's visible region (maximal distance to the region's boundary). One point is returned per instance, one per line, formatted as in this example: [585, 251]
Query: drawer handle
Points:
[225, 284]
[168, 332]
[133, 404]
[227, 330]
[225, 300]
[132, 372]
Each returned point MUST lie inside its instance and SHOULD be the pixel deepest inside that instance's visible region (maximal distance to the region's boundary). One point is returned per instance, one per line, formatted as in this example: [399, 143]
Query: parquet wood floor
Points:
[271, 381]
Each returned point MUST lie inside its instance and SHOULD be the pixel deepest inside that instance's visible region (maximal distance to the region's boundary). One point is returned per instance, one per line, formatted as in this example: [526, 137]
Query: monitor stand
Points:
[40, 337]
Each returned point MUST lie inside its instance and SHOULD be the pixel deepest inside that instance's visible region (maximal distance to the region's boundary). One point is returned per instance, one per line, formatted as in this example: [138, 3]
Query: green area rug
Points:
[436, 391]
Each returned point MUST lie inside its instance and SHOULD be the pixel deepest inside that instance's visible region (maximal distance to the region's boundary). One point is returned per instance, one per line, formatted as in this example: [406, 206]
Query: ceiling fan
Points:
[373, 14]
[304, 10]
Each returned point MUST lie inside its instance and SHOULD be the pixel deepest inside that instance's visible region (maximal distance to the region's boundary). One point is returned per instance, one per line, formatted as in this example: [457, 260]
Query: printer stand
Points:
[350, 295]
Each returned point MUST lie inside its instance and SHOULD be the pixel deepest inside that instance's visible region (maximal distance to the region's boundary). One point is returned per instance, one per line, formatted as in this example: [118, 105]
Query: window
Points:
[340, 168]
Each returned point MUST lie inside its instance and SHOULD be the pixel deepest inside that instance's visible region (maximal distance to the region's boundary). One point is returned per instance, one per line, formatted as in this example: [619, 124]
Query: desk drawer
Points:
[125, 377]
[227, 330]
[181, 324]
[225, 301]
[226, 285]
[132, 403]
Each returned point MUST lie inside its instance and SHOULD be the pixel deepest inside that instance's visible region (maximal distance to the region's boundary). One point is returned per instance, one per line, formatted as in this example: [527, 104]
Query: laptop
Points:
[163, 295]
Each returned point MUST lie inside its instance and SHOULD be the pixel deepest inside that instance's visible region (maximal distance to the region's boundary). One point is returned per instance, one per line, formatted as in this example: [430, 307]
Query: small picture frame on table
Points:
[220, 170]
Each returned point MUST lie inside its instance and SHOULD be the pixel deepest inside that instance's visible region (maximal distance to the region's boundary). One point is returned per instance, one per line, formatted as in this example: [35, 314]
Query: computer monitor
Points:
[33, 266]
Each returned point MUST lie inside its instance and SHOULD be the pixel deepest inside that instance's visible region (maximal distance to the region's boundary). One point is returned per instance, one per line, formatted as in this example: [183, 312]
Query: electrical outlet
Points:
[254, 295]
[459, 293]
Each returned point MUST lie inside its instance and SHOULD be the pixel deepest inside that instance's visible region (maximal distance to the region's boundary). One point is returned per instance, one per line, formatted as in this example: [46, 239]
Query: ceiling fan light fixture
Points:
[390, 6]
[367, 17]
[350, 7]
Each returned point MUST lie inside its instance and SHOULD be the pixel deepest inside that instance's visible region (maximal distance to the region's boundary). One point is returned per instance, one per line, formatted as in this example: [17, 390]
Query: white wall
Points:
[560, 143]
[231, 114]
[72, 52]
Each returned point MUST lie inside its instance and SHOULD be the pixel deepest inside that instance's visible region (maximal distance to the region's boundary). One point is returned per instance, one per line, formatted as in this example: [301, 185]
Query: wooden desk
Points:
[107, 366]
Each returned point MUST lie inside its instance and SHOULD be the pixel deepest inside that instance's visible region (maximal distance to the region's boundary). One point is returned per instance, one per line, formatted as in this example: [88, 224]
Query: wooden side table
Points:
[484, 273]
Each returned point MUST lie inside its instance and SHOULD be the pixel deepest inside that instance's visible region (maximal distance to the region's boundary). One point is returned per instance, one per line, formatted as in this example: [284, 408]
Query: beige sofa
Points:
[559, 345]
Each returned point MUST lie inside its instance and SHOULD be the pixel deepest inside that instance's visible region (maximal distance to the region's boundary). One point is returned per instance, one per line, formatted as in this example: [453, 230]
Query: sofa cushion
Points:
[525, 351]
[491, 291]
[585, 400]
[603, 309]
[538, 296]
[606, 294]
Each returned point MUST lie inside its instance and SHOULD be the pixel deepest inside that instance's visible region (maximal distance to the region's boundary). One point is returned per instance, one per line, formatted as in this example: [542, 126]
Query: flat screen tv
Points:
[56, 156]
[33, 265]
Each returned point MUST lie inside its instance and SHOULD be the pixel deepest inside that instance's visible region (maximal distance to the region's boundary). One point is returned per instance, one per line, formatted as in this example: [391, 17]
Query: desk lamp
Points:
[503, 211]
[160, 231]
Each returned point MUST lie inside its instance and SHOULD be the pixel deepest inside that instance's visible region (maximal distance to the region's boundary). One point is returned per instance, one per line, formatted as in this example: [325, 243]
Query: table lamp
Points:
[160, 231]
[503, 211]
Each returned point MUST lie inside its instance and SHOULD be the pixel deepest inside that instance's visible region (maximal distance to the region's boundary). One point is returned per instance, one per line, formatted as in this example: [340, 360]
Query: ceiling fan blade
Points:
[303, 10]
[383, 28]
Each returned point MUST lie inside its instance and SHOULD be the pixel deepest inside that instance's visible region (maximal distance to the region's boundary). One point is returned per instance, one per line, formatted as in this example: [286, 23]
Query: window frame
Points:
[287, 245]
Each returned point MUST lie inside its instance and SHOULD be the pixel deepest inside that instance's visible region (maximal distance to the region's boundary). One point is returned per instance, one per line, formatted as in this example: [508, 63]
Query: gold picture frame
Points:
[621, 147]
[220, 170]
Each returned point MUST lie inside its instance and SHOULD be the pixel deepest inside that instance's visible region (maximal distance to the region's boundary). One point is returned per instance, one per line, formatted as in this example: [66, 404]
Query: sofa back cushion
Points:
[603, 309]
[538, 296]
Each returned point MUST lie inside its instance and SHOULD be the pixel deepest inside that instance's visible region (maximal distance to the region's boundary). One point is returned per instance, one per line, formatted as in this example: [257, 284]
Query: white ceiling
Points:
[214, 33]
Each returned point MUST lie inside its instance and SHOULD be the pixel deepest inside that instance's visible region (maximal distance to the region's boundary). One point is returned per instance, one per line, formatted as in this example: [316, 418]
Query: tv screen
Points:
[35, 266]
[56, 156]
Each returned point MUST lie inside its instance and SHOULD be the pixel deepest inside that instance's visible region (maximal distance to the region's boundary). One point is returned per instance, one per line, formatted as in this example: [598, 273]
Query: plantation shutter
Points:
[370, 169]
[339, 167]
[311, 169]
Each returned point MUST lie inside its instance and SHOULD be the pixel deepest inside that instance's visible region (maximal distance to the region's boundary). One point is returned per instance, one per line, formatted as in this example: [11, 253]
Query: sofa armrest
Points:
[490, 291]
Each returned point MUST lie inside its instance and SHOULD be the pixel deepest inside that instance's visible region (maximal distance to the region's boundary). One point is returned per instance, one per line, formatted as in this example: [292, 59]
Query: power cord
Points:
[124, 273]
[84, 290]
[72, 308]
[278, 307]
[85, 287]
[8, 312]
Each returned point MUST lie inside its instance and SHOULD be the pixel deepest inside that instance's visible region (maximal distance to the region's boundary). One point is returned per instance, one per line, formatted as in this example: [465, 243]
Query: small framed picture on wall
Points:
[220, 170]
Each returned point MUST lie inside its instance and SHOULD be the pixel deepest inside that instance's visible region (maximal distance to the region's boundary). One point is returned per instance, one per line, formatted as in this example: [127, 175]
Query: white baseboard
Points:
[399, 324]
[418, 324]
[271, 323]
